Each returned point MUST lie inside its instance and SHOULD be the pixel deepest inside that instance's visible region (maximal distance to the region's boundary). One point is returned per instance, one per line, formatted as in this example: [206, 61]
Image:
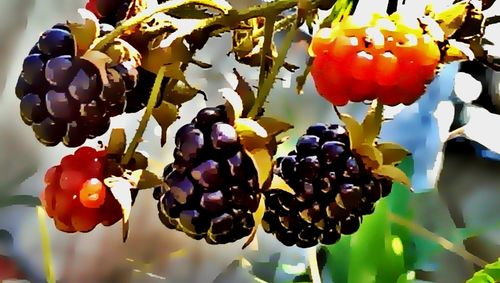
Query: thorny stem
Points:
[145, 118]
[266, 86]
[146, 14]
[446, 244]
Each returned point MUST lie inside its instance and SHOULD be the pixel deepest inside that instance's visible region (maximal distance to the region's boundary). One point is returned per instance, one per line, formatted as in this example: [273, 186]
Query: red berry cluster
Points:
[75, 195]
[387, 58]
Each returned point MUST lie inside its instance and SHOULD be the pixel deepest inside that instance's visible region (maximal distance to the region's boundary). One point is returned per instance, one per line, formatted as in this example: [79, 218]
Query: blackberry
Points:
[211, 189]
[333, 190]
[109, 11]
[63, 96]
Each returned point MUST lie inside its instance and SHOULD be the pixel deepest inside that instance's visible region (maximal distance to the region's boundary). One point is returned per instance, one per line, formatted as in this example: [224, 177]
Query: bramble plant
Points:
[225, 181]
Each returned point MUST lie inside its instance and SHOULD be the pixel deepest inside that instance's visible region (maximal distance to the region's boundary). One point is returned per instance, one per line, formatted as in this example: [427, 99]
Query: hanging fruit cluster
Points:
[225, 181]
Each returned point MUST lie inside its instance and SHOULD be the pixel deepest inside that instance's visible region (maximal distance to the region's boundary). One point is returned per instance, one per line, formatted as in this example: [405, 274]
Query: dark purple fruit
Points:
[32, 109]
[56, 42]
[86, 85]
[33, 69]
[75, 135]
[60, 106]
[58, 70]
[49, 132]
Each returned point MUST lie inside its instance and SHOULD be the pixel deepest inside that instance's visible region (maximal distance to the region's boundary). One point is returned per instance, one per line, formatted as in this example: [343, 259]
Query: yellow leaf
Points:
[179, 253]
[257, 216]
[144, 179]
[234, 101]
[355, 130]
[171, 56]
[392, 153]
[279, 184]
[117, 142]
[122, 51]
[393, 173]
[100, 60]
[371, 156]
[248, 125]
[85, 33]
[121, 190]
[181, 93]
[274, 126]
[245, 92]
[263, 162]
[165, 115]
[451, 19]
[372, 123]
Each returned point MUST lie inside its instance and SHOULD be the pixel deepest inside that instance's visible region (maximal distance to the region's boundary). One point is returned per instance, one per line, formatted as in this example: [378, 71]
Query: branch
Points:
[148, 13]
[266, 86]
[446, 244]
[145, 118]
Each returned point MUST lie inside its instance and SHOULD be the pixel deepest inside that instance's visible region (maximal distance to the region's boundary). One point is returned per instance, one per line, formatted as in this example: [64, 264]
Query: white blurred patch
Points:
[466, 87]
[231, 79]
[481, 128]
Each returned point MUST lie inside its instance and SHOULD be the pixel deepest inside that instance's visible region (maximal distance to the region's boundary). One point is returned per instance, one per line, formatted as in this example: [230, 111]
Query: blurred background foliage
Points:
[445, 232]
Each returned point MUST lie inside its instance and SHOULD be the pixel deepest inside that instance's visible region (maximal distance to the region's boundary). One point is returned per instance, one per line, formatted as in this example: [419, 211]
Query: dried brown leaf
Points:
[85, 33]
[234, 102]
[263, 162]
[181, 93]
[372, 157]
[451, 19]
[117, 142]
[371, 125]
[171, 56]
[122, 51]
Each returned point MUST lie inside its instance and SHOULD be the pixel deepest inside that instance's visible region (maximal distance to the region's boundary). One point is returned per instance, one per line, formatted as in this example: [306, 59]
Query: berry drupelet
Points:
[333, 190]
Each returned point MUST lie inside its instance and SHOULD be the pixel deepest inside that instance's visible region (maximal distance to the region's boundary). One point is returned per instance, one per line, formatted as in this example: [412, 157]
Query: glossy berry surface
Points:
[64, 98]
[75, 195]
[333, 190]
[386, 57]
[211, 189]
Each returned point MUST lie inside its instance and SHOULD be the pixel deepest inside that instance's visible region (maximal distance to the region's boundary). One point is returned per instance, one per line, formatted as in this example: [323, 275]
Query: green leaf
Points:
[165, 115]
[490, 273]
[367, 246]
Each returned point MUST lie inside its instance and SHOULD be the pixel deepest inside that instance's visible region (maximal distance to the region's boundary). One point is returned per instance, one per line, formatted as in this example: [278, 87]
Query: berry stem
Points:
[312, 257]
[45, 240]
[267, 84]
[266, 46]
[446, 244]
[148, 13]
[155, 92]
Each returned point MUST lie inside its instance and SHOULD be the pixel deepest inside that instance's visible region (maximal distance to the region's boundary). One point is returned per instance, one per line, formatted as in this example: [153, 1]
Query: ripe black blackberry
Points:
[333, 190]
[109, 11]
[63, 96]
[211, 190]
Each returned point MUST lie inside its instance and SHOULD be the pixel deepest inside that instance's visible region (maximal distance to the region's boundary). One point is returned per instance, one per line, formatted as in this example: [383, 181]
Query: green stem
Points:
[266, 46]
[148, 13]
[155, 92]
[265, 87]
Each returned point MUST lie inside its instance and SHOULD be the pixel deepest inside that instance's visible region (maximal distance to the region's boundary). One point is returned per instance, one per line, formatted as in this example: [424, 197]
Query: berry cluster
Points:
[63, 96]
[211, 190]
[388, 58]
[333, 190]
[75, 196]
